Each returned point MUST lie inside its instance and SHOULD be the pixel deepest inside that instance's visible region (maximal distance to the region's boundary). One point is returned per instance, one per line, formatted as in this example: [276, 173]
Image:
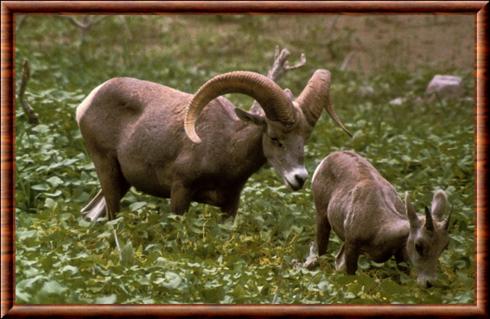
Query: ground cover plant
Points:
[419, 145]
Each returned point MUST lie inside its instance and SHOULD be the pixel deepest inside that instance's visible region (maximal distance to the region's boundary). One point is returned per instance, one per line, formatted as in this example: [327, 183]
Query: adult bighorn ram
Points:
[134, 133]
[364, 210]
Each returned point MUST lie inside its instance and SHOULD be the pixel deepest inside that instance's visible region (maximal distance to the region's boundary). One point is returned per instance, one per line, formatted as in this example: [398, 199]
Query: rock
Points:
[366, 90]
[445, 86]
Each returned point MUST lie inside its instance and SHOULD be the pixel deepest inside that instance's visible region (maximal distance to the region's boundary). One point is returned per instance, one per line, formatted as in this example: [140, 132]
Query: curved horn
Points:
[316, 96]
[273, 100]
[428, 220]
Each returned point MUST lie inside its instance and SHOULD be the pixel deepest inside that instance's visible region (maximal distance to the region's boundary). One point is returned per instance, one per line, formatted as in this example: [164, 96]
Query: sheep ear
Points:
[249, 117]
[439, 205]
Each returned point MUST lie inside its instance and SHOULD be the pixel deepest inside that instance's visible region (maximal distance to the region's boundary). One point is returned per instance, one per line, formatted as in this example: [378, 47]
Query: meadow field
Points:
[420, 145]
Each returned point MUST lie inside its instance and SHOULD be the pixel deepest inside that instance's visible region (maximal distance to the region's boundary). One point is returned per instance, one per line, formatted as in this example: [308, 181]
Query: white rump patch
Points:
[316, 170]
[82, 108]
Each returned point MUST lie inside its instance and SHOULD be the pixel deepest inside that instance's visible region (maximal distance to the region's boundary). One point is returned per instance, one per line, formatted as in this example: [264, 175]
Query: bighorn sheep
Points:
[144, 134]
[365, 211]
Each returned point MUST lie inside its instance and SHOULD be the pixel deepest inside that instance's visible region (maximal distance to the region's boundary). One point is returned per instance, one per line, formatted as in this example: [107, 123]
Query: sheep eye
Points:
[419, 248]
[276, 141]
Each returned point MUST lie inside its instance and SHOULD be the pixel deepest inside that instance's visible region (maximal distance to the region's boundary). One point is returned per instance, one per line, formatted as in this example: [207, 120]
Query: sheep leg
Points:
[113, 184]
[351, 254]
[230, 207]
[114, 189]
[180, 198]
[319, 247]
[399, 257]
[322, 233]
[340, 259]
[346, 258]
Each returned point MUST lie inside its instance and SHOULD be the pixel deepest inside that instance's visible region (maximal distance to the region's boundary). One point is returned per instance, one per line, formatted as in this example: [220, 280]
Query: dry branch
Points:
[20, 19]
[346, 62]
[279, 67]
[281, 64]
[32, 117]
[332, 25]
[84, 24]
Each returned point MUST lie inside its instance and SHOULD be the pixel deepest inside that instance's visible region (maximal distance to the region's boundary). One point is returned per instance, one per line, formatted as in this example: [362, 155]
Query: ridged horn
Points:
[411, 214]
[276, 105]
[428, 220]
[316, 96]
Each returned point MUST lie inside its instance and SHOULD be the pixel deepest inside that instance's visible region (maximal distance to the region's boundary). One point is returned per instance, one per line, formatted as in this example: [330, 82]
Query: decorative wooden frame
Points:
[8, 10]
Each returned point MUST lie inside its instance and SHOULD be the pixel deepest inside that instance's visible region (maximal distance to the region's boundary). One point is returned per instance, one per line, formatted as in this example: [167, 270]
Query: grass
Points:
[201, 257]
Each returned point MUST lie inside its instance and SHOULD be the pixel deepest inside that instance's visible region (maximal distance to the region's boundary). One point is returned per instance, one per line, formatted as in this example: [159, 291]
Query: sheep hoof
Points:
[311, 262]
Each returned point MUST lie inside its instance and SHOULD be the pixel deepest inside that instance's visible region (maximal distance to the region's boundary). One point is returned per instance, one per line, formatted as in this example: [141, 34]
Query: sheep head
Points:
[428, 237]
[282, 126]
[286, 123]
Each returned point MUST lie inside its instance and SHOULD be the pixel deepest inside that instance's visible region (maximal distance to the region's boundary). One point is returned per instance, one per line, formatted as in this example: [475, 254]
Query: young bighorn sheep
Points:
[134, 133]
[365, 211]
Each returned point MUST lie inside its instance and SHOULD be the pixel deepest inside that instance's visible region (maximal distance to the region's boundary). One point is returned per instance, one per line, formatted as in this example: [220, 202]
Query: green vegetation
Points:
[202, 257]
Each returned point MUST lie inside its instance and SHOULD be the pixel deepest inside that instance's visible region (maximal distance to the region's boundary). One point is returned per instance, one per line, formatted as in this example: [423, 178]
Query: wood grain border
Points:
[8, 10]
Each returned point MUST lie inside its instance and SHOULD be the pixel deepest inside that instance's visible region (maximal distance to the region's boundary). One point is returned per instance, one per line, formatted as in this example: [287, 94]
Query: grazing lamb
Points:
[365, 211]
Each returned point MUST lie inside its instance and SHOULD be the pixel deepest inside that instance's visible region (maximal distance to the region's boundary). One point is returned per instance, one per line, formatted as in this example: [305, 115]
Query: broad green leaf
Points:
[127, 254]
[50, 203]
[40, 187]
[41, 128]
[171, 280]
[70, 269]
[136, 206]
[110, 299]
[24, 234]
[53, 287]
[55, 181]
